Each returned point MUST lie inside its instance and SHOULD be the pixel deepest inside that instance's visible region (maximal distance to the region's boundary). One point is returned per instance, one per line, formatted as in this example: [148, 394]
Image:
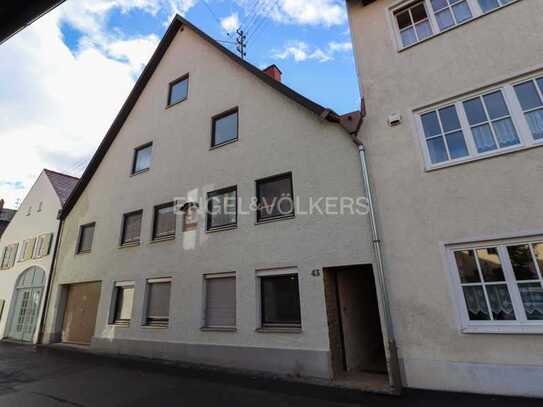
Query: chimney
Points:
[274, 72]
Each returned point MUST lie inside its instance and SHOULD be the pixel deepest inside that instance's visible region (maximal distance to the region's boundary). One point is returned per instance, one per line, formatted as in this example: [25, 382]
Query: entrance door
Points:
[80, 313]
[356, 338]
[26, 304]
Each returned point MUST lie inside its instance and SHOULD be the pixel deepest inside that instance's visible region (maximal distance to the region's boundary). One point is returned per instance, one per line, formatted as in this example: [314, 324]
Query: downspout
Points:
[50, 280]
[352, 123]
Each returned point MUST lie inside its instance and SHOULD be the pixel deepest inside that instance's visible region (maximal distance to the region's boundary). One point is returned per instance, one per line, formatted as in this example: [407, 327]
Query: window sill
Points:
[504, 329]
[218, 329]
[162, 239]
[85, 252]
[223, 144]
[221, 228]
[130, 244]
[402, 49]
[493, 154]
[120, 324]
[155, 327]
[176, 103]
[140, 172]
[280, 330]
[274, 219]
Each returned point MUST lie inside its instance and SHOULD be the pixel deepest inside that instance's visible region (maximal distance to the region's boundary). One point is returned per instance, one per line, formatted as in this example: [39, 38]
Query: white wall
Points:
[417, 209]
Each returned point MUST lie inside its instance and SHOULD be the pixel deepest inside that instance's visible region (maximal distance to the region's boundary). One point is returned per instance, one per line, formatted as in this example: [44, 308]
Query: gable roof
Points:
[177, 24]
[62, 184]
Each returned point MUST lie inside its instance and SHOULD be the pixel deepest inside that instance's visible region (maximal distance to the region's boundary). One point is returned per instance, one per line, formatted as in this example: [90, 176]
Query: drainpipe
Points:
[50, 280]
[352, 123]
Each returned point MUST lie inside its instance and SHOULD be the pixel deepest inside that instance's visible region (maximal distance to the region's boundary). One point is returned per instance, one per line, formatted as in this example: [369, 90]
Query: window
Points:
[158, 302]
[488, 5]
[86, 236]
[164, 222]
[178, 90]
[274, 197]
[530, 96]
[123, 301]
[449, 13]
[43, 245]
[413, 24]
[8, 256]
[131, 231]
[142, 158]
[190, 217]
[27, 249]
[500, 120]
[220, 300]
[40, 206]
[280, 305]
[501, 283]
[222, 208]
[224, 128]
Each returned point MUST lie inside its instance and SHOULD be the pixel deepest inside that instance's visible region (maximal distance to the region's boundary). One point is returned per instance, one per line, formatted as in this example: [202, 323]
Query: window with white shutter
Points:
[28, 249]
[220, 305]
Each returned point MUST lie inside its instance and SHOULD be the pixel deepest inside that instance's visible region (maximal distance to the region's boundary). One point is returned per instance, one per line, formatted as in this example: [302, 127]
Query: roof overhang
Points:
[17, 14]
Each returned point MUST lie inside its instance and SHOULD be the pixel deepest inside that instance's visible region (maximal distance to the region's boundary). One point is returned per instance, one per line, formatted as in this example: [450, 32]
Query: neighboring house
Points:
[26, 253]
[6, 215]
[454, 98]
[249, 289]
[18, 14]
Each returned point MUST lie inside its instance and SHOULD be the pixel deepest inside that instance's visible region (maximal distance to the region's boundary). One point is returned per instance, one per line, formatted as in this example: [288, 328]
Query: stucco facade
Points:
[423, 210]
[276, 135]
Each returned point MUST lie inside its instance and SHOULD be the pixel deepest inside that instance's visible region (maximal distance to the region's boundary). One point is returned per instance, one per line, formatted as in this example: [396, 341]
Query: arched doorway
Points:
[26, 304]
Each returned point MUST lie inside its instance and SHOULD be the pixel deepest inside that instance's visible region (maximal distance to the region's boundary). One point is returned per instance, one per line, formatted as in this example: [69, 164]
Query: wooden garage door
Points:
[80, 313]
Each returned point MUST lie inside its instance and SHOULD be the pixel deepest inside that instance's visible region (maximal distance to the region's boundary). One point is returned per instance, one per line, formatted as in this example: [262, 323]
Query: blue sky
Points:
[48, 124]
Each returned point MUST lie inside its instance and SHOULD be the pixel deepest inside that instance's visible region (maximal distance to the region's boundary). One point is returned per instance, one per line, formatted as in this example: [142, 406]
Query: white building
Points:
[256, 290]
[454, 97]
[26, 254]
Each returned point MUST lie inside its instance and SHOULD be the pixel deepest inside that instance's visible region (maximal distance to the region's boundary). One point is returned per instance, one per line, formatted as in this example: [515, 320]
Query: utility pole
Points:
[241, 43]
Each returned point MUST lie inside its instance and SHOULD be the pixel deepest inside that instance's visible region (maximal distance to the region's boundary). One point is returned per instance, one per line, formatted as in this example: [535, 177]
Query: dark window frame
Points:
[264, 324]
[258, 182]
[135, 158]
[118, 321]
[154, 321]
[172, 84]
[122, 240]
[220, 116]
[154, 237]
[218, 192]
[79, 238]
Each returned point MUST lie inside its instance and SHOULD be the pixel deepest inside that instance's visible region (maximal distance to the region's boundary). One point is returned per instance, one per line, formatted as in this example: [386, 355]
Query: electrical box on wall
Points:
[394, 119]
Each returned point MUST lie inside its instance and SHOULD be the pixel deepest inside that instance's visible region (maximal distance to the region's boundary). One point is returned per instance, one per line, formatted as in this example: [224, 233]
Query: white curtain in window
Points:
[505, 132]
[483, 138]
[535, 121]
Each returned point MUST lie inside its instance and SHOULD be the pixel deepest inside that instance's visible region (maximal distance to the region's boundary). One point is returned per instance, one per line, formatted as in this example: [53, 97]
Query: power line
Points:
[258, 16]
[252, 15]
[214, 15]
[264, 20]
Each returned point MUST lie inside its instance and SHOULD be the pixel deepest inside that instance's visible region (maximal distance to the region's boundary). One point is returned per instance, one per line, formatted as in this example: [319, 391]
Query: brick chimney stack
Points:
[274, 72]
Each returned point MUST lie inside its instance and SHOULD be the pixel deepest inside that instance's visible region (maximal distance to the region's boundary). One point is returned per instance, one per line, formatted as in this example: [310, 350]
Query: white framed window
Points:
[499, 285]
[502, 119]
[220, 300]
[420, 19]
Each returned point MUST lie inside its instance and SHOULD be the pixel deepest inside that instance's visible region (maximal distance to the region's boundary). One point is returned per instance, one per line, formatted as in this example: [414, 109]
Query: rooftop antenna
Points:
[241, 43]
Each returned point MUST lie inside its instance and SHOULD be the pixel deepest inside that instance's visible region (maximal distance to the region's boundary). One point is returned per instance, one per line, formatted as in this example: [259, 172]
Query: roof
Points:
[62, 184]
[17, 14]
[177, 24]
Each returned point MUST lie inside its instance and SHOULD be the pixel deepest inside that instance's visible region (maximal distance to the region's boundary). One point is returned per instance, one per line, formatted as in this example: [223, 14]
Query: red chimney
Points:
[274, 72]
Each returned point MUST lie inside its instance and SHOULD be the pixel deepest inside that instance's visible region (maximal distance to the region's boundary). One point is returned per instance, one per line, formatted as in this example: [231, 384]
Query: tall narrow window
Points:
[413, 24]
[178, 90]
[164, 221]
[9, 255]
[124, 300]
[491, 122]
[275, 197]
[220, 304]
[158, 302]
[27, 249]
[224, 127]
[43, 245]
[530, 95]
[280, 301]
[142, 158]
[444, 136]
[222, 208]
[86, 236]
[131, 231]
[450, 12]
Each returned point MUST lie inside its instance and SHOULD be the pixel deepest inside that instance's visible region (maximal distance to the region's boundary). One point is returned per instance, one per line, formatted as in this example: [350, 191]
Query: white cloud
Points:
[230, 23]
[301, 51]
[57, 105]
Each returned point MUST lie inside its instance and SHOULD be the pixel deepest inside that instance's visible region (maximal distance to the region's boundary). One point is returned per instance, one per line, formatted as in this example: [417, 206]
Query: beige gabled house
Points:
[453, 91]
[26, 255]
[256, 282]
